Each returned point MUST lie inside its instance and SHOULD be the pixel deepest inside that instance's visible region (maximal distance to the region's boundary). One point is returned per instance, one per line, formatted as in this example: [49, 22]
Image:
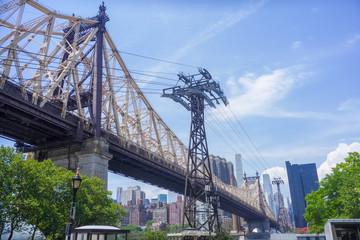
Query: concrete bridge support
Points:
[262, 225]
[91, 157]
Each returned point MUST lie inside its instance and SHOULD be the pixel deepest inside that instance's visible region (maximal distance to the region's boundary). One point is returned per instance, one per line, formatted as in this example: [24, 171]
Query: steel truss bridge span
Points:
[52, 70]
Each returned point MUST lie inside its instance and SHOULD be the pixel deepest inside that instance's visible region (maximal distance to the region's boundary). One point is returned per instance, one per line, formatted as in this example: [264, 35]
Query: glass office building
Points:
[162, 198]
[303, 179]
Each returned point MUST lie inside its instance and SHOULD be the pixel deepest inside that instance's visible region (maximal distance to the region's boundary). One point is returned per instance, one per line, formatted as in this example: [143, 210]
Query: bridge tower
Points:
[264, 224]
[198, 90]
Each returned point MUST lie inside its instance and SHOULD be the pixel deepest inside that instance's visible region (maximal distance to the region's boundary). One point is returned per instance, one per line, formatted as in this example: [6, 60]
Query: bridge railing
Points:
[248, 195]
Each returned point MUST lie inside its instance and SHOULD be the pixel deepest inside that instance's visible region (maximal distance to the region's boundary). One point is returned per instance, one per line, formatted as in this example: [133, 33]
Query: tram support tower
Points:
[281, 221]
[197, 92]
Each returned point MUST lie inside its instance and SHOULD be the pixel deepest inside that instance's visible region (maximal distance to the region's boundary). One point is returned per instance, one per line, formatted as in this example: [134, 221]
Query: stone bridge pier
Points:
[262, 225]
[91, 157]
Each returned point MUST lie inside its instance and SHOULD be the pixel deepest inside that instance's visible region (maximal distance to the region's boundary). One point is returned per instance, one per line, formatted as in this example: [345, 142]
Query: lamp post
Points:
[76, 181]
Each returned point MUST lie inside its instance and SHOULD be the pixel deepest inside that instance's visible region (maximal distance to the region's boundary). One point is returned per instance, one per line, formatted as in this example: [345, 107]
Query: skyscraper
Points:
[239, 170]
[221, 168]
[118, 195]
[131, 195]
[268, 191]
[139, 195]
[232, 178]
[303, 179]
[162, 198]
[175, 211]
[127, 197]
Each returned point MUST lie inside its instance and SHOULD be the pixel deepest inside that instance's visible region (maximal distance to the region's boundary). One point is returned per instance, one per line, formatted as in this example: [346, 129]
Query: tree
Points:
[338, 195]
[95, 205]
[9, 211]
[155, 235]
[136, 232]
[39, 194]
[148, 225]
[174, 228]
[222, 234]
[45, 193]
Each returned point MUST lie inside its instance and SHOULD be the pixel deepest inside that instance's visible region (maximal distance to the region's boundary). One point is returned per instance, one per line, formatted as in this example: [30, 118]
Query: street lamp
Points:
[76, 181]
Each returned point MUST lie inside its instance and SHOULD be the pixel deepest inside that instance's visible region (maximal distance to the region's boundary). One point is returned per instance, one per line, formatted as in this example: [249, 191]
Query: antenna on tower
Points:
[196, 92]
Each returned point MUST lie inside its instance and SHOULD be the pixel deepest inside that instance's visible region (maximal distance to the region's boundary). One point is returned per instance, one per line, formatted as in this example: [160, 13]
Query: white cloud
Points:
[354, 39]
[153, 191]
[262, 92]
[336, 157]
[231, 82]
[333, 158]
[296, 44]
[259, 95]
[306, 114]
[279, 172]
[350, 105]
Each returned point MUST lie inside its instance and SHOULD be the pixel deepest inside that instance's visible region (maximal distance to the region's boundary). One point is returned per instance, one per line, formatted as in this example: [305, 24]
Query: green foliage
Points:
[95, 205]
[155, 235]
[338, 195]
[131, 227]
[148, 225]
[9, 211]
[222, 234]
[293, 230]
[39, 194]
[173, 228]
[136, 232]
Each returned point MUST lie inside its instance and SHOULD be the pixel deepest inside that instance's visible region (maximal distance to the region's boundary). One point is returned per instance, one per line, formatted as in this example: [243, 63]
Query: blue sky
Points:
[290, 70]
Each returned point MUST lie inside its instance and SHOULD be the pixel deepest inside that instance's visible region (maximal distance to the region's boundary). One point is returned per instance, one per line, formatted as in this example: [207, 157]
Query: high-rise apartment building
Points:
[232, 174]
[131, 195]
[221, 168]
[303, 179]
[136, 214]
[239, 170]
[268, 191]
[127, 197]
[160, 213]
[176, 211]
[139, 195]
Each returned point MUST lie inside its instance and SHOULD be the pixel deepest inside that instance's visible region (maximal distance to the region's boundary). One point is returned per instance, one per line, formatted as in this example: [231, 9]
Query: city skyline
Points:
[290, 71]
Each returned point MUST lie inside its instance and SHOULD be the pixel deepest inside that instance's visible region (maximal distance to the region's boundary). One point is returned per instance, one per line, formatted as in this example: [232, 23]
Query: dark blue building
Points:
[303, 179]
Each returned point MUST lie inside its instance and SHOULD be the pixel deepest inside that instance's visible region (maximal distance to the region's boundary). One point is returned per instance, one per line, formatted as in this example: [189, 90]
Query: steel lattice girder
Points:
[198, 169]
[58, 90]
